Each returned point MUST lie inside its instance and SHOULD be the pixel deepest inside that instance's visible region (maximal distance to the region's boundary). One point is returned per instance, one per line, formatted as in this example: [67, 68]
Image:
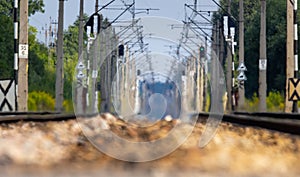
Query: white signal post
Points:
[295, 103]
[230, 67]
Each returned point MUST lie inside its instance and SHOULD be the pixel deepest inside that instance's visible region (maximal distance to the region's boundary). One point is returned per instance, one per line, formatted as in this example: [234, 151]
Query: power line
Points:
[224, 10]
[198, 13]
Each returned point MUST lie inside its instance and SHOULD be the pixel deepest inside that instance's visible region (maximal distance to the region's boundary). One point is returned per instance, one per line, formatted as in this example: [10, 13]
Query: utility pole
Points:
[94, 62]
[204, 75]
[80, 36]
[229, 71]
[222, 47]
[214, 62]
[241, 52]
[23, 58]
[80, 105]
[59, 85]
[96, 6]
[262, 84]
[200, 76]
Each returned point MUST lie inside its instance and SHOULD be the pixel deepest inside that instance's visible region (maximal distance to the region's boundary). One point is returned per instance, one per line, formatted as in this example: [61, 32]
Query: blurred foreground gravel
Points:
[60, 149]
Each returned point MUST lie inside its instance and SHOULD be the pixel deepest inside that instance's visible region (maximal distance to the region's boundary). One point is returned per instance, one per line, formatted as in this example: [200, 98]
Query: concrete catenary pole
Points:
[289, 53]
[241, 101]
[262, 83]
[23, 58]
[59, 84]
[229, 71]
[79, 91]
[94, 62]
[80, 36]
[205, 78]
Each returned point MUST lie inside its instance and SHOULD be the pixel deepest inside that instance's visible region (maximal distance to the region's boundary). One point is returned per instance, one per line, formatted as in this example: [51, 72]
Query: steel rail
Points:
[34, 116]
[287, 123]
[271, 114]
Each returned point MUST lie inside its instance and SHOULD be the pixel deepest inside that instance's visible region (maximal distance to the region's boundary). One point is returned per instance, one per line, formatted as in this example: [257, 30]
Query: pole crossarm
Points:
[189, 6]
[119, 16]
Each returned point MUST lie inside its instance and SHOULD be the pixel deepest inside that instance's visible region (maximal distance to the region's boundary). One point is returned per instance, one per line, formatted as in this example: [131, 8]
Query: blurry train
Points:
[157, 99]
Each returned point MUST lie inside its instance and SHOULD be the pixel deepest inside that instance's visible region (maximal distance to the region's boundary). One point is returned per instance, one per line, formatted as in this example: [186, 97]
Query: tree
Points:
[7, 34]
[41, 76]
[6, 49]
[276, 40]
[71, 55]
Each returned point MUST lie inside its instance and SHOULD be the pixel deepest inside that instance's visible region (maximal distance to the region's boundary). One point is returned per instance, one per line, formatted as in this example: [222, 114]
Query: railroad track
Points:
[288, 123]
[271, 114]
[34, 116]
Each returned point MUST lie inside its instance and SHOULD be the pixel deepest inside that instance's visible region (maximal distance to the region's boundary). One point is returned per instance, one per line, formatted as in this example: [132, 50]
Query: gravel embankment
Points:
[61, 149]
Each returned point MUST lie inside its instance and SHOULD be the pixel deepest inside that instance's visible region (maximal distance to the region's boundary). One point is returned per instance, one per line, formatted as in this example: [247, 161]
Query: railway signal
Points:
[225, 27]
[242, 67]
[229, 37]
[242, 77]
[94, 23]
[80, 68]
[80, 75]
[121, 50]
[202, 52]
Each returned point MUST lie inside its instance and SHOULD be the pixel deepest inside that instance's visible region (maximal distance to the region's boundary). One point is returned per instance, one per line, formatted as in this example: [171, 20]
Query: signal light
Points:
[121, 50]
[202, 52]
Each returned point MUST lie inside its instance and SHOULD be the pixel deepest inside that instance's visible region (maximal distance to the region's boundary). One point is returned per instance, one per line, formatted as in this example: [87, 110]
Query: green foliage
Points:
[36, 6]
[40, 101]
[252, 104]
[70, 57]
[42, 60]
[68, 106]
[42, 65]
[7, 34]
[37, 71]
[7, 47]
[6, 7]
[208, 102]
[275, 102]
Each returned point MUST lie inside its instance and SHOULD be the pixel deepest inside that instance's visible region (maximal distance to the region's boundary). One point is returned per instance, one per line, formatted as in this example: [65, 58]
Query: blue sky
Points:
[168, 8]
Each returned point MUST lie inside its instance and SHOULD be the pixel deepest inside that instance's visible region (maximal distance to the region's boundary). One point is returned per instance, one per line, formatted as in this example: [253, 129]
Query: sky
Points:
[167, 8]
